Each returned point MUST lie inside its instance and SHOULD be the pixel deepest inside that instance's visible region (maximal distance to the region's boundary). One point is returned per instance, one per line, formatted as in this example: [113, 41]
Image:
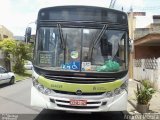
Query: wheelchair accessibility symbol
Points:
[74, 65]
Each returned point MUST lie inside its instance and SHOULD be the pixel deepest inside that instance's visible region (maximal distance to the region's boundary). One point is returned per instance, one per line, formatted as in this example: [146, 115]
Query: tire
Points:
[12, 81]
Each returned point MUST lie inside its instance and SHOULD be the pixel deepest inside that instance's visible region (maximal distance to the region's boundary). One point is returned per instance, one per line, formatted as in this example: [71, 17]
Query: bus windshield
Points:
[81, 49]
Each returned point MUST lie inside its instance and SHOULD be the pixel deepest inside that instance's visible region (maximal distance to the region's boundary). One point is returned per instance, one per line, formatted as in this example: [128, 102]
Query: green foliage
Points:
[19, 51]
[26, 74]
[19, 67]
[144, 92]
[7, 46]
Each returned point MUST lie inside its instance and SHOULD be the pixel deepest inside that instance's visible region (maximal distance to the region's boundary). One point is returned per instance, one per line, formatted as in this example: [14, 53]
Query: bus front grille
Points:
[66, 104]
[78, 107]
[81, 80]
[74, 93]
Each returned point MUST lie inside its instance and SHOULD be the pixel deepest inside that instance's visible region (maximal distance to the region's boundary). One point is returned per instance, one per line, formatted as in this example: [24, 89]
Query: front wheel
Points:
[12, 81]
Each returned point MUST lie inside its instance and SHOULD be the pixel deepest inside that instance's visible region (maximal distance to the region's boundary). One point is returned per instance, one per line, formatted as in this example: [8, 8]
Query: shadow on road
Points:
[59, 115]
[4, 85]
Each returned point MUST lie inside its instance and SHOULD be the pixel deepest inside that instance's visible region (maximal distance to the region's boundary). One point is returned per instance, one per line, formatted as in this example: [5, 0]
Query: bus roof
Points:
[82, 13]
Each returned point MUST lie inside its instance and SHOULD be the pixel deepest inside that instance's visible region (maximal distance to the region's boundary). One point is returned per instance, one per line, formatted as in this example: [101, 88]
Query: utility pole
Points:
[112, 3]
[131, 22]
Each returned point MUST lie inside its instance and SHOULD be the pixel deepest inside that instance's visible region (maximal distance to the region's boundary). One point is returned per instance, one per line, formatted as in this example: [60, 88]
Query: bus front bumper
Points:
[98, 103]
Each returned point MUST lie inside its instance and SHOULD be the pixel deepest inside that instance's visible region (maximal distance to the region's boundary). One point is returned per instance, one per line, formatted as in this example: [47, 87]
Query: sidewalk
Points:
[154, 103]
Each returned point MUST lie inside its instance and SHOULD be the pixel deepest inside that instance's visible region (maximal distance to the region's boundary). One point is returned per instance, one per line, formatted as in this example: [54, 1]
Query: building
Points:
[5, 33]
[147, 40]
[146, 53]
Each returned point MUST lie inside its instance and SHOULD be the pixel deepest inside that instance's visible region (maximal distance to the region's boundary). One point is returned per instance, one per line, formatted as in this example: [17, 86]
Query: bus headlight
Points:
[35, 82]
[122, 88]
[43, 89]
[117, 91]
[40, 88]
[109, 94]
[47, 91]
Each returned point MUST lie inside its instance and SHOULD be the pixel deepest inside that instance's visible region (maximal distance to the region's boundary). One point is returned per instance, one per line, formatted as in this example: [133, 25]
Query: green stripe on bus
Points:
[73, 87]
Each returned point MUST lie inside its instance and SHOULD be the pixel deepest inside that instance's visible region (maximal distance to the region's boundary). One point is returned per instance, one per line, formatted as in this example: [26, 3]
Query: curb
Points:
[23, 79]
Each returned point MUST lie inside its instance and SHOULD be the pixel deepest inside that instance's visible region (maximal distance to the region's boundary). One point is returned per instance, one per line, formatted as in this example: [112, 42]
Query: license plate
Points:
[78, 102]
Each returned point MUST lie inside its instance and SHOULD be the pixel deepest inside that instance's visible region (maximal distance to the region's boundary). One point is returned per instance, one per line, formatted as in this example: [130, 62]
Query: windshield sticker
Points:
[86, 66]
[45, 58]
[74, 54]
[73, 65]
[86, 31]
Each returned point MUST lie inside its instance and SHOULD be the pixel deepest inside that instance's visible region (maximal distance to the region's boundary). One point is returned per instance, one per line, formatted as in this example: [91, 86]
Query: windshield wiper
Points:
[63, 41]
[61, 36]
[96, 41]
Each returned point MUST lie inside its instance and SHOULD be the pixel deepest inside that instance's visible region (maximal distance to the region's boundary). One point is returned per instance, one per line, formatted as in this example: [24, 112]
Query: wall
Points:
[147, 69]
[143, 52]
[5, 33]
[156, 18]
[140, 32]
[152, 28]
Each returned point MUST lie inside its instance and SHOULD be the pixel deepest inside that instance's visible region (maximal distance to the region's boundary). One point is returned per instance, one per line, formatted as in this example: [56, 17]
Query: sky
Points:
[16, 15]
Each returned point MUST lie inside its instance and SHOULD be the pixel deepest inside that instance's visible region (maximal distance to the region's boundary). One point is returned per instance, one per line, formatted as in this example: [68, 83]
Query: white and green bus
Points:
[80, 59]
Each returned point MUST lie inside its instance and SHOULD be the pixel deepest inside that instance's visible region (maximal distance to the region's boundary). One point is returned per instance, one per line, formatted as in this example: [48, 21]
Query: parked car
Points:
[28, 65]
[6, 77]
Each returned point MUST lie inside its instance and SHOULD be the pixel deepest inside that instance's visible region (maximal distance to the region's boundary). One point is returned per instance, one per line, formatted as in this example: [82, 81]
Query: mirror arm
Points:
[131, 45]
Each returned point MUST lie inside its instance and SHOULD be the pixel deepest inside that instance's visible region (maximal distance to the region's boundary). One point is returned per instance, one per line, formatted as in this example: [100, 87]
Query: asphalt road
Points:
[15, 104]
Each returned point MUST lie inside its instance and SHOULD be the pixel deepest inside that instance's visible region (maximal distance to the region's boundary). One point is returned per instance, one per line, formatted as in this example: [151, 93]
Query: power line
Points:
[147, 8]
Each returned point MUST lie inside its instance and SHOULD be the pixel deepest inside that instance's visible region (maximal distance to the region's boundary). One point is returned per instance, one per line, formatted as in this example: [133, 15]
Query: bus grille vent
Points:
[74, 93]
[66, 104]
[81, 80]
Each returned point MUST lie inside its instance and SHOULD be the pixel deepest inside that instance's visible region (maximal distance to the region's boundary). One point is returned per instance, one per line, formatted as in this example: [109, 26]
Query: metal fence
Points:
[147, 69]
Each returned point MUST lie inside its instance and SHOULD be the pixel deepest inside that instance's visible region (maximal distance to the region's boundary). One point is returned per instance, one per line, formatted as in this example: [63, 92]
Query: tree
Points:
[7, 46]
[22, 52]
[19, 51]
